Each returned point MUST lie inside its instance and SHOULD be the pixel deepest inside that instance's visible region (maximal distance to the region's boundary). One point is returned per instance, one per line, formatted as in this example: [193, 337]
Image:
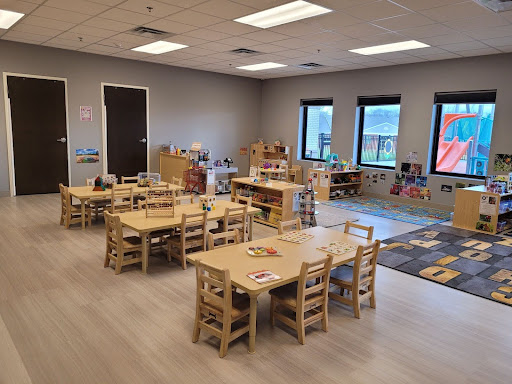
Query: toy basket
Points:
[194, 178]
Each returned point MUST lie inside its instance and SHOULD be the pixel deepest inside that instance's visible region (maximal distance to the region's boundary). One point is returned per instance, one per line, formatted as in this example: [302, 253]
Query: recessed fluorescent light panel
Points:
[283, 14]
[9, 18]
[261, 67]
[394, 47]
[159, 47]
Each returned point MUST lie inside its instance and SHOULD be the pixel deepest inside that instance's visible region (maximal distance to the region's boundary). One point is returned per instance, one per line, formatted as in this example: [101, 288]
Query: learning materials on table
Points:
[338, 248]
[296, 237]
[263, 276]
[263, 251]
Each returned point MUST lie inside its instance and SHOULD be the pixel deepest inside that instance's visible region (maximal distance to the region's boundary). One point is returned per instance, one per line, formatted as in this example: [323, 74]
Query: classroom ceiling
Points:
[452, 28]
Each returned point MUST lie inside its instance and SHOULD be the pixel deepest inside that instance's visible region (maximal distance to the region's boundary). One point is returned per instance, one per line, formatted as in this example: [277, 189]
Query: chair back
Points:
[225, 236]
[368, 230]
[211, 281]
[90, 182]
[235, 218]
[315, 294]
[185, 199]
[129, 179]
[194, 225]
[161, 186]
[365, 264]
[243, 200]
[284, 176]
[114, 232]
[65, 198]
[121, 198]
[177, 181]
[286, 226]
[141, 205]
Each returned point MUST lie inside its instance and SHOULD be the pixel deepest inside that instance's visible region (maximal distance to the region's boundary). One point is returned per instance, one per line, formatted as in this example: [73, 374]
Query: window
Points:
[316, 128]
[378, 130]
[462, 133]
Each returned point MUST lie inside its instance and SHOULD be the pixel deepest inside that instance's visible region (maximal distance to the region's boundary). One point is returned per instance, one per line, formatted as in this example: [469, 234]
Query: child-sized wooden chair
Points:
[225, 236]
[129, 179]
[358, 280]
[121, 198]
[98, 204]
[192, 235]
[122, 246]
[217, 302]
[368, 230]
[71, 213]
[286, 226]
[304, 299]
[235, 218]
[185, 199]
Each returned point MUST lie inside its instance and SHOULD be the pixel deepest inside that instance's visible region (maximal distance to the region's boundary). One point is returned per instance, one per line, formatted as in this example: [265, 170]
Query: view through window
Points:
[316, 128]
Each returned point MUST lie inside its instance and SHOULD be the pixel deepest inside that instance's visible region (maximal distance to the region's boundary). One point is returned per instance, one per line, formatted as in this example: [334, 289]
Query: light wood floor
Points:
[66, 319]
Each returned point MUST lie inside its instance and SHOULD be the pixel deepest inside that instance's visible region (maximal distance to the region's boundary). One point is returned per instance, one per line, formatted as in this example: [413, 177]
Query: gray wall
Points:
[221, 111]
[417, 84]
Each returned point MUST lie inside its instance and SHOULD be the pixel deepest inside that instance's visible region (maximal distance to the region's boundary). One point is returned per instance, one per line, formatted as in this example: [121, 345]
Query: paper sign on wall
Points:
[324, 180]
[487, 205]
[253, 172]
[210, 177]
[243, 151]
[314, 178]
[85, 113]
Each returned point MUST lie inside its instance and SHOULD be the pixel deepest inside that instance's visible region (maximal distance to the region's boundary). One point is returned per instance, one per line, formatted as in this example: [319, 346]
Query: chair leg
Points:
[325, 319]
[106, 263]
[355, 302]
[272, 309]
[119, 263]
[89, 217]
[301, 331]
[373, 304]
[197, 330]
[184, 258]
[224, 341]
[169, 252]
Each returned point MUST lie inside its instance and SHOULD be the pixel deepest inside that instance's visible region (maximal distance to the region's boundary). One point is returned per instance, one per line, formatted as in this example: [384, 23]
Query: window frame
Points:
[370, 101]
[304, 104]
[463, 97]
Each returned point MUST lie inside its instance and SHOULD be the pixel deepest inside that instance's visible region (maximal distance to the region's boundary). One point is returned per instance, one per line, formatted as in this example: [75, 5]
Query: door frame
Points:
[8, 126]
[104, 121]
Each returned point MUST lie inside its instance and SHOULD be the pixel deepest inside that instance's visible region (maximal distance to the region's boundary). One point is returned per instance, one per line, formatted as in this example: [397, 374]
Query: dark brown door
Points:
[126, 130]
[38, 115]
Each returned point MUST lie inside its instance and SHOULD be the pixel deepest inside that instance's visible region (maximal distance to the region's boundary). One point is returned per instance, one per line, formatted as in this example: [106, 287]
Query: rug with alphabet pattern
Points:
[469, 261]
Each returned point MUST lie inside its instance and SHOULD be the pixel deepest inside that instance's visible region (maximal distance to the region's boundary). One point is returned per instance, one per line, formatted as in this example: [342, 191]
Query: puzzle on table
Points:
[296, 237]
[338, 248]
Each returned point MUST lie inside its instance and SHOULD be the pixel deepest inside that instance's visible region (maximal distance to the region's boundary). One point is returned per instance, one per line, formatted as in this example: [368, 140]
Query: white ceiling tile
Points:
[99, 48]
[130, 38]
[384, 38]
[217, 47]
[458, 11]
[196, 19]
[419, 5]
[197, 51]
[485, 21]
[127, 16]
[207, 34]
[376, 10]
[427, 51]
[360, 30]
[65, 44]
[268, 48]
[158, 9]
[36, 30]
[46, 23]
[35, 1]
[79, 37]
[317, 49]
[340, 54]
[332, 21]
[80, 6]
[224, 9]
[294, 43]
[292, 53]
[208, 59]
[349, 44]
[410, 20]
[442, 56]
[264, 36]
[341, 4]
[111, 25]
[176, 56]
[129, 54]
[233, 28]
[186, 40]
[408, 60]
[480, 52]
[426, 31]
[262, 4]
[92, 31]
[240, 42]
[296, 29]
[325, 37]
[183, 3]
[464, 46]
[490, 33]
[452, 38]
[60, 14]
[360, 59]
[499, 41]
[224, 56]
[19, 39]
[30, 37]
[110, 3]
[17, 6]
[170, 26]
[506, 49]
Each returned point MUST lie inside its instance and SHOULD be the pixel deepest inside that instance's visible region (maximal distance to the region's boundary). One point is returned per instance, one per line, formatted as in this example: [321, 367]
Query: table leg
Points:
[251, 222]
[252, 324]
[144, 238]
[82, 207]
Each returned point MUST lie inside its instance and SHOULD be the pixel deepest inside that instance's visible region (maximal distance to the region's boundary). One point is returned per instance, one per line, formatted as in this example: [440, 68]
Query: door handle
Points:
[62, 139]
[143, 141]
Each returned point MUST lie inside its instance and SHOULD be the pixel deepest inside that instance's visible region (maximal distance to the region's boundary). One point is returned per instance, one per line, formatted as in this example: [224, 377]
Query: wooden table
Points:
[86, 193]
[143, 225]
[239, 263]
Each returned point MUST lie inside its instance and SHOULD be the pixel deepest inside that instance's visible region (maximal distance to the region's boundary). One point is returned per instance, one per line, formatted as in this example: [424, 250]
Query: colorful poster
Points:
[416, 169]
[399, 178]
[394, 190]
[85, 113]
[487, 205]
[87, 155]
[421, 181]
[405, 168]
[414, 192]
[446, 188]
[503, 162]
[404, 191]
[460, 185]
[425, 193]
[412, 157]
[383, 176]
[410, 180]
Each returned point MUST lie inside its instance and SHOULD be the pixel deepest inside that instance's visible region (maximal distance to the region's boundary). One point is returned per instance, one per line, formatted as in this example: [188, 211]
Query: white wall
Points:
[221, 111]
[417, 84]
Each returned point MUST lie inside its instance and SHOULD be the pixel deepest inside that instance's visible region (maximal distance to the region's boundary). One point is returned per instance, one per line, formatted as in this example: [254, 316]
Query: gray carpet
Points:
[469, 261]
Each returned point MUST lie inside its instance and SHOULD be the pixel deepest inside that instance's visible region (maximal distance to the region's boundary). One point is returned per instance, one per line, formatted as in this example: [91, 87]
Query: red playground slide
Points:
[449, 153]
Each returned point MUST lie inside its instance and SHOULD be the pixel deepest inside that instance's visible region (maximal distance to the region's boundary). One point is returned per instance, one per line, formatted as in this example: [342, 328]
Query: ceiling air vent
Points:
[309, 65]
[244, 52]
[150, 32]
[496, 5]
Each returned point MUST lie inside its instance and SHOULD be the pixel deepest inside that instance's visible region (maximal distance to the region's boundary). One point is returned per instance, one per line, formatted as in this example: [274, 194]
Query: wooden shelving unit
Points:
[326, 183]
[466, 214]
[271, 213]
[281, 153]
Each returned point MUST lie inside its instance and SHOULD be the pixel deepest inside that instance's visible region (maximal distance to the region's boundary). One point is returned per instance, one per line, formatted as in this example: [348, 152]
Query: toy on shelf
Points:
[307, 205]
[228, 161]
[98, 184]
[160, 202]
[207, 202]
[109, 180]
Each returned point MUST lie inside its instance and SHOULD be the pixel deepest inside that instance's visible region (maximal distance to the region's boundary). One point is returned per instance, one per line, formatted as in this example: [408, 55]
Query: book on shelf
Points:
[263, 276]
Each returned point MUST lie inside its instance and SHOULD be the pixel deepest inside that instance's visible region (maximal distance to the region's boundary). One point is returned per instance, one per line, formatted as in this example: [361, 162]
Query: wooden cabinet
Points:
[271, 152]
[327, 183]
[173, 165]
[493, 214]
[275, 199]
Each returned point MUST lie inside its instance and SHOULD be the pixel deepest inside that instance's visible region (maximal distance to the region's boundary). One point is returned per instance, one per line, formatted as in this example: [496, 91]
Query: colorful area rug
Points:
[469, 261]
[392, 210]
